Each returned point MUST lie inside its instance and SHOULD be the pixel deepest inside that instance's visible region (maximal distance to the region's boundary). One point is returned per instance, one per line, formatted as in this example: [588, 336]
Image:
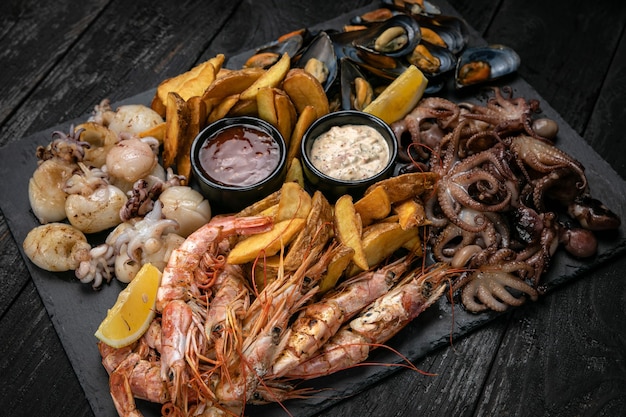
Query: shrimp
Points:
[266, 327]
[136, 378]
[384, 318]
[321, 320]
[179, 280]
[135, 372]
[175, 324]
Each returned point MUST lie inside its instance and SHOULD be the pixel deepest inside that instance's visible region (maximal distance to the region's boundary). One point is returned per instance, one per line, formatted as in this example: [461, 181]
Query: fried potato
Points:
[266, 108]
[305, 90]
[221, 109]
[407, 186]
[176, 122]
[381, 240]
[315, 234]
[272, 77]
[244, 108]
[196, 109]
[373, 206]
[414, 246]
[294, 172]
[157, 132]
[258, 207]
[336, 268]
[267, 243]
[348, 229]
[188, 84]
[230, 83]
[410, 214]
[294, 202]
[286, 115]
[306, 118]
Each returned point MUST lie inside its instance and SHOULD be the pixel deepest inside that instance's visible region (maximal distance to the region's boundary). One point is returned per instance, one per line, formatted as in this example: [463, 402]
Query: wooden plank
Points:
[47, 31]
[608, 121]
[40, 376]
[128, 49]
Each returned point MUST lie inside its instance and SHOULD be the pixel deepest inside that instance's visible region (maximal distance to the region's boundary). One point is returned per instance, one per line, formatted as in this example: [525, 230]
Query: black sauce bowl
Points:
[232, 198]
[333, 187]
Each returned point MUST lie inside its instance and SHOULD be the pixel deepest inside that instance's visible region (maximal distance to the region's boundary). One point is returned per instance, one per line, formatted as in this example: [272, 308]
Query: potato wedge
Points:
[294, 172]
[197, 121]
[266, 108]
[348, 229]
[176, 122]
[157, 132]
[410, 214]
[286, 115]
[187, 84]
[261, 205]
[305, 90]
[336, 268]
[271, 78]
[221, 109]
[381, 240]
[267, 243]
[414, 246]
[373, 206]
[231, 83]
[244, 108]
[407, 186]
[306, 118]
[294, 202]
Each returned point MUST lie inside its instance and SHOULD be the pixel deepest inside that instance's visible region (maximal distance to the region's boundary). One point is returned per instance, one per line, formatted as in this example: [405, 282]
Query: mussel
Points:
[485, 63]
[394, 37]
[356, 90]
[267, 55]
[447, 31]
[319, 58]
[432, 59]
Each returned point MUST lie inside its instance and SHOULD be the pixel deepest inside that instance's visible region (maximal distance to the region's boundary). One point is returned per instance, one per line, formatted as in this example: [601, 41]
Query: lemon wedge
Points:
[400, 97]
[133, 311]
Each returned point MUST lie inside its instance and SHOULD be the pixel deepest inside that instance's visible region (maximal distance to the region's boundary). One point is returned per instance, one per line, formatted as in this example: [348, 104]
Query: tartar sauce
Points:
[350, 152]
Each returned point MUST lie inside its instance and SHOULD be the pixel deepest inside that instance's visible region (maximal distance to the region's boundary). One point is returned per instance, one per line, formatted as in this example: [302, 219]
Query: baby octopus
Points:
[503, 188]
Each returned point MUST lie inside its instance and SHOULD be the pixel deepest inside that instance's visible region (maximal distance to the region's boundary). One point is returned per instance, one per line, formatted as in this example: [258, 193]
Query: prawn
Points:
[375, 325]
[320, 321]
[181, 279]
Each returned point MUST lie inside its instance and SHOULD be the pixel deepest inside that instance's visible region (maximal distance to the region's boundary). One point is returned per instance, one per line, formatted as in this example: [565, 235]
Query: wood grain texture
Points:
[562, 356]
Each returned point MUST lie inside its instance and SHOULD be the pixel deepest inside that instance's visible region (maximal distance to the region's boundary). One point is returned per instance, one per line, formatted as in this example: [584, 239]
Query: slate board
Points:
[76, 310]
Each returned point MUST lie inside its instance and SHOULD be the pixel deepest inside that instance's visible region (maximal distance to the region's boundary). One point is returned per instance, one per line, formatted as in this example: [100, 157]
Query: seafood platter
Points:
[486, 200]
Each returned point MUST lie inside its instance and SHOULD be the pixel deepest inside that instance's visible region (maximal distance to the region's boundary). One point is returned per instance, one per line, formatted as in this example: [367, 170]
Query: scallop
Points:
[56, 247]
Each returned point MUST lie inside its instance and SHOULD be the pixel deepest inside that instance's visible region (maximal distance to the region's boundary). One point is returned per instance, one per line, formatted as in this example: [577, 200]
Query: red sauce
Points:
[239, 156]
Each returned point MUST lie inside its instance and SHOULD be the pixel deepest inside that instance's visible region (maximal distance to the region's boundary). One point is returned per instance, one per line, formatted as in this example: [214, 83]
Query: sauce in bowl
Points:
[350, 152]
[240, 156]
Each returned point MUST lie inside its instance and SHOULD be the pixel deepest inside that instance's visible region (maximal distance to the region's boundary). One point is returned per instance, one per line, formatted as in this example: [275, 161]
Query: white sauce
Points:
[350, 152]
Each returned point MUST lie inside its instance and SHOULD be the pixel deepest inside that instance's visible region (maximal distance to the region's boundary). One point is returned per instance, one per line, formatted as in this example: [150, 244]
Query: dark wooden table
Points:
[562, 356]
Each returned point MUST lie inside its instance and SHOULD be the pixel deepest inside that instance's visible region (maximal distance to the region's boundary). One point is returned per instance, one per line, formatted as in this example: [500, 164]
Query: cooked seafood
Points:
[501, 191]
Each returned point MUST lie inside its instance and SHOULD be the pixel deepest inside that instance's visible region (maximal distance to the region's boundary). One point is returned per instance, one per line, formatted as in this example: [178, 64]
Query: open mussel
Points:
[432, 59]
[485, 63]
[319, 58]
[267, 55]
[356, 89]
[446, 31]
[394, 37]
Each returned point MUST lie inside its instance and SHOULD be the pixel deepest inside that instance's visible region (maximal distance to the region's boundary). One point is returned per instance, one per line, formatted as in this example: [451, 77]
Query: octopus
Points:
[507, 198]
